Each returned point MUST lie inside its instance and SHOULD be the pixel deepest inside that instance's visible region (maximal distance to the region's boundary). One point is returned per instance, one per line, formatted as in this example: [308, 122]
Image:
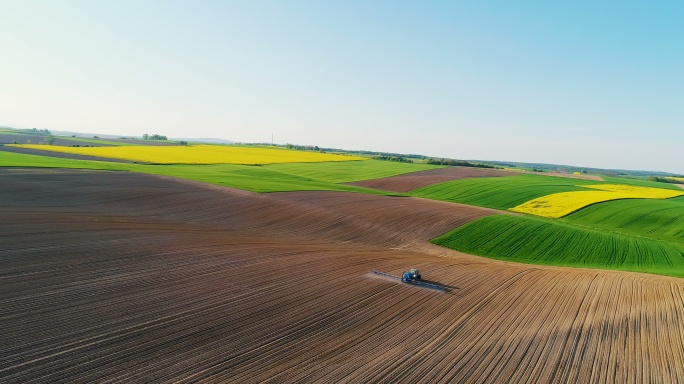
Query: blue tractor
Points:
[410, 276]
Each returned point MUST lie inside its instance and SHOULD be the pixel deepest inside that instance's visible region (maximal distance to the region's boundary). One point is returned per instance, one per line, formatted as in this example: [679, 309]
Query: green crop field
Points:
[349, 171]
[508, 192]
[499, 192]
[658, 219]
[266, 178]
[639, 183]
[533, 240]
[642, 235]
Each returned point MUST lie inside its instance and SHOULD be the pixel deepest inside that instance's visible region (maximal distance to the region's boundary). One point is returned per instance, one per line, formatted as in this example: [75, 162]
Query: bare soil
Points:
[134, 278]
[410, 181]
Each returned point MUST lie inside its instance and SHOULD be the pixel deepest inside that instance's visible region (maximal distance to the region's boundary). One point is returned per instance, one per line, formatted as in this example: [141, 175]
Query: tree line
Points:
[145, 136]
[35, 131]
[398, 159]
[304, 147]
[663, 180]
[457, 163]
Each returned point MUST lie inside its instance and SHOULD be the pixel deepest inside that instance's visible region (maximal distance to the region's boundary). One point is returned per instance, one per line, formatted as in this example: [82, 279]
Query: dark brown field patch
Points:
[414, 180]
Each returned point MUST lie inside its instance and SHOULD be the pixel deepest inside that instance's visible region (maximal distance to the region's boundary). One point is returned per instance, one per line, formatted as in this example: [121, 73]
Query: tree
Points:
[50, 139]
[662, 179]
[154, 137]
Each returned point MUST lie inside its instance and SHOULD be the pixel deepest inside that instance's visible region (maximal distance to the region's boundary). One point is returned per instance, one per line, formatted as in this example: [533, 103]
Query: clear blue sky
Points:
[587, 83]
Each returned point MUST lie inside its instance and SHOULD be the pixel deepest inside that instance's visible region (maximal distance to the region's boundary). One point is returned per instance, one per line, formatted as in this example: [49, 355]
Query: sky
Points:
[586, 83]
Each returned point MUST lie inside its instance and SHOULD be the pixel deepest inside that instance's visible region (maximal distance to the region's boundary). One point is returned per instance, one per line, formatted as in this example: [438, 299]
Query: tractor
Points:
[410, 276]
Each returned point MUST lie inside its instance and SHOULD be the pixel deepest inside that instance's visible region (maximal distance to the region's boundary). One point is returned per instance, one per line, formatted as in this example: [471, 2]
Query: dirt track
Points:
[410, 181]
[125, 277]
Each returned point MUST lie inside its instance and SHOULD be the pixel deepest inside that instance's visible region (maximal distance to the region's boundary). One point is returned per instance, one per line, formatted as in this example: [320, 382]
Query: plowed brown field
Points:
[125, 277]
[410, 181]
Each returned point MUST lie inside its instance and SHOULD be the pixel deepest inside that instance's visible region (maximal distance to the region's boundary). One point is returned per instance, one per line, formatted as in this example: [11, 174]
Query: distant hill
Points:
[544, 167]
[209, 140]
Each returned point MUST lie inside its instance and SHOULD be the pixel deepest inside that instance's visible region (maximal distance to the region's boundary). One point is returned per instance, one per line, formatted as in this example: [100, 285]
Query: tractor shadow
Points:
[446, 288]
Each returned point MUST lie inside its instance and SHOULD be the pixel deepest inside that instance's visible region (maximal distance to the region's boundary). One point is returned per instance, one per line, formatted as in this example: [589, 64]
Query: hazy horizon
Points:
[585, 84]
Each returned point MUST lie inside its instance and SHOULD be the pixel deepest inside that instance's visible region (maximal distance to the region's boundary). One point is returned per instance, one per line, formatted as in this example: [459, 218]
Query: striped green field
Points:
[533, 240]
[658, 219]
[641, 235]
[499, 192]
[267, 178]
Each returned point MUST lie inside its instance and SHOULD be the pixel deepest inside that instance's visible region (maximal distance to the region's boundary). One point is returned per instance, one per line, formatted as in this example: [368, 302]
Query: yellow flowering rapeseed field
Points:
[637, 192]
[199, 154]
[558, 205]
